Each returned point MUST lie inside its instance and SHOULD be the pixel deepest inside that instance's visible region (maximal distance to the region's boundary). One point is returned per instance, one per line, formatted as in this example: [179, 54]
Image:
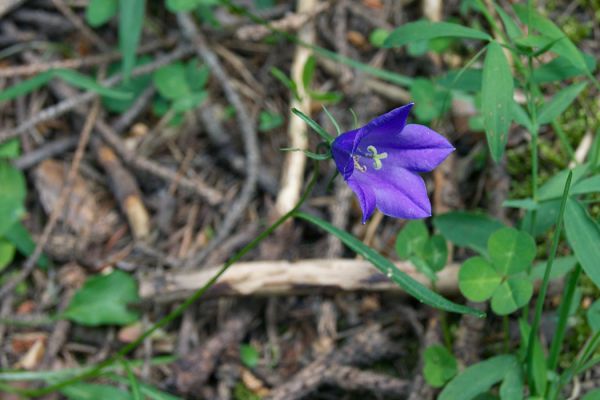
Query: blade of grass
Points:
[388, 268]
[131, 20]
[544, 288]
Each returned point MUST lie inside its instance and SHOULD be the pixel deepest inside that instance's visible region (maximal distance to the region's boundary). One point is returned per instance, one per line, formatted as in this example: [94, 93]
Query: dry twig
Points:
[284, 277]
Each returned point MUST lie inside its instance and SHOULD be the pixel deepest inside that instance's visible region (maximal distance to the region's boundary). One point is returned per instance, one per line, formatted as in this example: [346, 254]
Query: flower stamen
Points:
[359, 166]
[377, 157]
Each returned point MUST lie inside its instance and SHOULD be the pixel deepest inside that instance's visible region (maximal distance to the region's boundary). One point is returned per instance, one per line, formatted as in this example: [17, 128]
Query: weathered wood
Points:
[284, 277]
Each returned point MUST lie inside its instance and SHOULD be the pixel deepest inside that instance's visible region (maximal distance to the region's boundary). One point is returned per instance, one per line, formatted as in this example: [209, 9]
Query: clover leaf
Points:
[411, 239]
[512, 294]
[477, 279]
[501, 277]
[440, 365]
[511, 251]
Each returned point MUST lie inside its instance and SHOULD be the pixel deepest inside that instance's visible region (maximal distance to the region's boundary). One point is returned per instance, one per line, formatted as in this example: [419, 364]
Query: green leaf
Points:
[10, 149]
[196, 76]
[544, 26]
[99, 12]
[384, 265]
[171, 81]
[560, 267]
[93, 391]
[378, 36]
[479, 378]
[189, 101]
[583, 234]
[467, 229]
[26, 86]
[466, 80]
[512, 29]
[512, 386]
[435, 252]
[87, 83]
[411, 239]
[559, 103]
[426, 30]
[149, 391]
[560, 69]
[314, 125]
[103, 300]
[496, 99]
[182, 5]
[539, 370]
[20, 237]
[12, 196]
[131, 21]
[589, 185]
[440, 366]
[512, 294]
[249, 355]
[511, 251]
[424, 268]
[308, 72]
[269, 121]
[593, 316]
[521, 117]
[430, 101]
[7, 253]
[545, 217]
[526, 204]
[477, 279]
[553, 188]
[135, 86]
[287, 82]
[325, 97]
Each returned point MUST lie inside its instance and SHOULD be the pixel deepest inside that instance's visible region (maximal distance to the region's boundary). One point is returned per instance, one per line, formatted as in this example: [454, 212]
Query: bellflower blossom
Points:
[381, 161]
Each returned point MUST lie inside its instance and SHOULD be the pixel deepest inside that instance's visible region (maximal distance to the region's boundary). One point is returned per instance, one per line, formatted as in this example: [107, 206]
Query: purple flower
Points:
[380, 162]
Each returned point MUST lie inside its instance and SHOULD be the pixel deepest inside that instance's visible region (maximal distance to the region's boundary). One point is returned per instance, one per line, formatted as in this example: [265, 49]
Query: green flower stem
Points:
[544, 288]
[179, 310]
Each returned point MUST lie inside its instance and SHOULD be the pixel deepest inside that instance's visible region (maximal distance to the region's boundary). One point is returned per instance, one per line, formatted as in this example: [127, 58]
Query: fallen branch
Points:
[284, 277]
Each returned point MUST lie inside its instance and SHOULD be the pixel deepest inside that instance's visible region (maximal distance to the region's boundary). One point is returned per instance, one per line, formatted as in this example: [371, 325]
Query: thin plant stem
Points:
[181, 308]
[563, 312]
[544, 288]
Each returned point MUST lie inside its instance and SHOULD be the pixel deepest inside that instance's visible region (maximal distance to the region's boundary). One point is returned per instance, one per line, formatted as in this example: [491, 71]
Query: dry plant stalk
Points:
[286, 278]
[292, 176]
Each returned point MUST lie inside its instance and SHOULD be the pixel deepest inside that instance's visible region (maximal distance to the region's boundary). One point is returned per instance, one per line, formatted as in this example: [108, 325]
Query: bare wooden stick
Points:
[284, 277]
[126, 191]
[292, 176]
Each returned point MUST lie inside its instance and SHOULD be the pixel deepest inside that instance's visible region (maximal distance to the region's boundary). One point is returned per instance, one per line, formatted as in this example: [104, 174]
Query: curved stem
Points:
[182, 307]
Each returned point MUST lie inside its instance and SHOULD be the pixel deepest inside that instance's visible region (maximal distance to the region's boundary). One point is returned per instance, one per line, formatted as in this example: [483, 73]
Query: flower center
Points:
[377, 157]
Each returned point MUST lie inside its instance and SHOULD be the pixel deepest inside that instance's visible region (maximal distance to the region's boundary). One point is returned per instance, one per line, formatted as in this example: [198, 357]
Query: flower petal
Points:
[417, 148]
[366, 197]
[399, 193]
[341, 150]
[386, 126]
